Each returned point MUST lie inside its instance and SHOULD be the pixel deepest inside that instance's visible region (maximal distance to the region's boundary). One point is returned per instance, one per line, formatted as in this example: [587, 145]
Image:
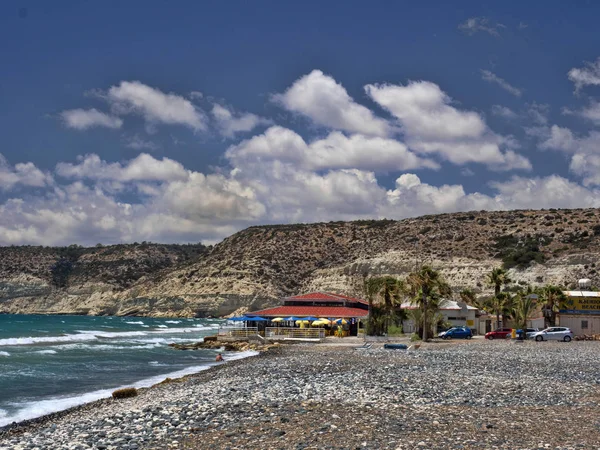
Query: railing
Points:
[237, 332]
[294, 333]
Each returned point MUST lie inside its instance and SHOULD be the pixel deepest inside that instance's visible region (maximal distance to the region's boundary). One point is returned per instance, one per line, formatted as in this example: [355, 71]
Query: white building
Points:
[458, 314]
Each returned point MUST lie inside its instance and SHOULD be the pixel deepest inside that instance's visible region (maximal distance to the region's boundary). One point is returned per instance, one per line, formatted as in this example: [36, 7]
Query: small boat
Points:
[396, 346]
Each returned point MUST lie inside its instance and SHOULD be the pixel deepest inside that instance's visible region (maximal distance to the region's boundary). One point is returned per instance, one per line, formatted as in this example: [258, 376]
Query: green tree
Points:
[524, 305]
[550, 299]
[501, 304]
[428, 289]
[498, 278]
[469, 297]
[381, 314]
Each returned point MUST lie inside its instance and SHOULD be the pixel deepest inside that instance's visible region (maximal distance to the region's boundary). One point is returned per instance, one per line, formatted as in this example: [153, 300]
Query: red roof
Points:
[315, 311]
[328, 296]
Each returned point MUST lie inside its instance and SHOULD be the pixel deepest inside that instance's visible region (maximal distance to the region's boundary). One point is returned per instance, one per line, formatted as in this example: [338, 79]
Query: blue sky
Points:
[130, 121]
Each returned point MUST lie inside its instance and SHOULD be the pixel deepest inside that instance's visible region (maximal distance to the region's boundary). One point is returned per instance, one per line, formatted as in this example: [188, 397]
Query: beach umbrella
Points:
[238, 318]
[257, 319]
[341, 321]
[318, 323]
[310, 318]
[291, 318]
[300, 321]
[277, 319]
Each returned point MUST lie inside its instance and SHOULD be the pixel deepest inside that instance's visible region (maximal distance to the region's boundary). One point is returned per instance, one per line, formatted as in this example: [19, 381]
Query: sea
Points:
[51, 363]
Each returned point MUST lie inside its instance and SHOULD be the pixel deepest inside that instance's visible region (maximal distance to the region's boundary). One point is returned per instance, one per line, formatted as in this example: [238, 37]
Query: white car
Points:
[554, 334]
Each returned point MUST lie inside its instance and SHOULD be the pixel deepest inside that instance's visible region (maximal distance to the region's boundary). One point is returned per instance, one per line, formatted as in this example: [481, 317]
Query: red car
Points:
[500, 333]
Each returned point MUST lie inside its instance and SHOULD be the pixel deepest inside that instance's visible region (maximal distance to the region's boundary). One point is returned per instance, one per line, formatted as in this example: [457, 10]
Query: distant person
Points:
[220, 358]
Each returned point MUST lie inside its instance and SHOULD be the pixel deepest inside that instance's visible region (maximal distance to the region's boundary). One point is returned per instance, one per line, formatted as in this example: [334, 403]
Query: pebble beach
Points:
[447, 395]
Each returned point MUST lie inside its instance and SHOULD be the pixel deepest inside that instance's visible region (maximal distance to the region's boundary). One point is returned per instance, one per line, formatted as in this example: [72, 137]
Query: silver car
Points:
[554, 334]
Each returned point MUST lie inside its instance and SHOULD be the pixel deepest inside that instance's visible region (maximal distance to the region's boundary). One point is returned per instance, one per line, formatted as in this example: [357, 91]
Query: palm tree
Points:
[391, 290]
[428, 288]
[550, 298]
[469, 297]
[501, 304]
[498, 277]
[523, 307]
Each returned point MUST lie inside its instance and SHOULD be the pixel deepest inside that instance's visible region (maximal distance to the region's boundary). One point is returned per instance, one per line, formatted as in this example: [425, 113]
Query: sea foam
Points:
[31, 410]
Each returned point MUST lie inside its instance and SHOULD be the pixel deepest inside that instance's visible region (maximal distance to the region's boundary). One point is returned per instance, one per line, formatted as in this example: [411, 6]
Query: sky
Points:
[187, 121]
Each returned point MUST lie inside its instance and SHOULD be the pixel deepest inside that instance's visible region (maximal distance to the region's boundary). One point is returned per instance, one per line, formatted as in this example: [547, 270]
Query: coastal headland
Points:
[450, 395]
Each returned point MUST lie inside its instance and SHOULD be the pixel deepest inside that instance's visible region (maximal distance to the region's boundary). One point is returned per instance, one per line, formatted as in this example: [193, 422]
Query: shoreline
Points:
[454, 395]
[24, 425]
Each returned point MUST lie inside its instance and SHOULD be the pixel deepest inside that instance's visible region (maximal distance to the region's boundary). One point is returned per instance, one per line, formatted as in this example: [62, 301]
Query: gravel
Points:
[459, 395]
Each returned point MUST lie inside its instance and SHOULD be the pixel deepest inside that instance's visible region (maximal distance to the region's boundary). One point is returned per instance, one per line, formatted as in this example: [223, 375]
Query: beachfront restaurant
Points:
[334, 313]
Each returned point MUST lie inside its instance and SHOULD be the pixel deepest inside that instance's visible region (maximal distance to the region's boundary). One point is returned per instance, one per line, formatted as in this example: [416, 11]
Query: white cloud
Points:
[142, 168]
[133, 97]
[432, 125]
[476, 24]
[503, 111]
[336, 151]
[585, 151]
[138, 143]
[196, 95]
[82, 119]
[493, 78]
[326, 102]
[538, 112]
[590, 112]
[230, 123]
[589, 75]
[24, 174]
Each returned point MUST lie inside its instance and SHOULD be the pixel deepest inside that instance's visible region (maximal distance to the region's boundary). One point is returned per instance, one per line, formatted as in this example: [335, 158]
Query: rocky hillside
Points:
[255, 267]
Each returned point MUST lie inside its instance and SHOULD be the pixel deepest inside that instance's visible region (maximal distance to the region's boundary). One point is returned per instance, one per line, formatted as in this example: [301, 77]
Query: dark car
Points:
[500, 333]
[457, 333]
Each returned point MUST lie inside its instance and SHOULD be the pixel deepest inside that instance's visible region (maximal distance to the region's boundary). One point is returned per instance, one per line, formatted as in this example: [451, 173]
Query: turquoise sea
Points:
[51, 363]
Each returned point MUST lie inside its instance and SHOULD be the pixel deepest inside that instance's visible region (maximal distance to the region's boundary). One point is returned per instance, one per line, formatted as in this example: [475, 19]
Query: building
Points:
[455, 313]
[321, 304]
[581, 310]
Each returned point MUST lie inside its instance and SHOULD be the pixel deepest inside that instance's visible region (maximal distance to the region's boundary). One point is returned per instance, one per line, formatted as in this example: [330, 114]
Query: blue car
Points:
[457, 333]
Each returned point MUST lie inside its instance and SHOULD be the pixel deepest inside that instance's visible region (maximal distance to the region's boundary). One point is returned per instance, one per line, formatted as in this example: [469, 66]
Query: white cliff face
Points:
[256, 267]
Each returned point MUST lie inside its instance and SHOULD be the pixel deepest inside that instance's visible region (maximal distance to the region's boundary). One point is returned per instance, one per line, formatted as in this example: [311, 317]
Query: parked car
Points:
[554, 334]
[500, 333]
[529, 332]
[457, 333]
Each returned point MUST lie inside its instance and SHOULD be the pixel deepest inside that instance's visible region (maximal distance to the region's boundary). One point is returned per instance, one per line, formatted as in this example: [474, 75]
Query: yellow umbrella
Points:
[277, 319]
[318, 323]
[301, 321]
[341, 321]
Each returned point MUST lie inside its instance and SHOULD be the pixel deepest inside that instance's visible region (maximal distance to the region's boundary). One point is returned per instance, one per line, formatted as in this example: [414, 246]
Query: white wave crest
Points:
[4, 354]
[46, 352]
[33, 409]
[136, 323]
[172, 321]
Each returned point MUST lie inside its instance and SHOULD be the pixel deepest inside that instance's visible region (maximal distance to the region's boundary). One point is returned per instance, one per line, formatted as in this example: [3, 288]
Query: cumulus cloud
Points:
[142, 168]
[589, 75]
[230, 123]
[493, 78]
[134, 97]
[590, 112]
[432, 125]
[24, 174]
[327, 103]
[336, 151]
[585, 157]
[480, 24]
[82, 119]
